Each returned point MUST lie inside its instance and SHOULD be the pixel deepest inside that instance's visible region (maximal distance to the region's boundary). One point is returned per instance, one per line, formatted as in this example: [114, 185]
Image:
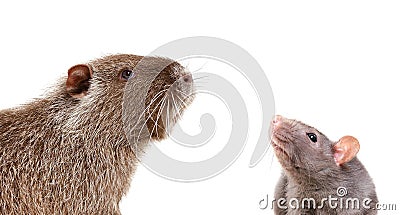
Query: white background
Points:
[333, 65]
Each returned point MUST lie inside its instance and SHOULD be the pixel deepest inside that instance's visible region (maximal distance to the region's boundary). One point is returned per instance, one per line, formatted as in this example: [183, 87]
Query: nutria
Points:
[69, 152]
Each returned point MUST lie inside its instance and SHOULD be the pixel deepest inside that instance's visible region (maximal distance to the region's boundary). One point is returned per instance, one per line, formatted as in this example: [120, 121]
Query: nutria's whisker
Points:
[155, 126]
[149, 106]
[145, 122]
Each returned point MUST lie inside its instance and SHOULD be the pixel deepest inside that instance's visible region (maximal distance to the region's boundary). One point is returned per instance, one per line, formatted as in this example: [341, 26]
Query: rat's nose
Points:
[277, 120]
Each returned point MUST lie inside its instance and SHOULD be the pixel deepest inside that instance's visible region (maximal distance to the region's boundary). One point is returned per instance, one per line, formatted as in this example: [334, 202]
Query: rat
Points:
[319, 176]
[70, 152]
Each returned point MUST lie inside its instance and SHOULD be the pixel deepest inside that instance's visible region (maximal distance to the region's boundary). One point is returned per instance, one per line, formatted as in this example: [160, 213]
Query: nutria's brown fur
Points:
[67, 153]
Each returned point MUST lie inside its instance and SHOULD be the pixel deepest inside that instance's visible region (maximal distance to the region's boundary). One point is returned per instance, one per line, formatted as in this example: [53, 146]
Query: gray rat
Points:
[70, 153]
[319, 176]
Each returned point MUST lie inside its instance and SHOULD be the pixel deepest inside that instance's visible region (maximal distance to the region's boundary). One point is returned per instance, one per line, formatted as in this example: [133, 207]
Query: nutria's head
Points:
[142, 97]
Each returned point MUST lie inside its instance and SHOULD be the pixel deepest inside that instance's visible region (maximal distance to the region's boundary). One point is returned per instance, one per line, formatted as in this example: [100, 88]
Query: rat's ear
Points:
[79, 80]
[346, 149]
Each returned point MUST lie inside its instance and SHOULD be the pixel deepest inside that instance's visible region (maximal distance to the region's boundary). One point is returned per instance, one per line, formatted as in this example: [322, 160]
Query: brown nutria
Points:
[68, 152]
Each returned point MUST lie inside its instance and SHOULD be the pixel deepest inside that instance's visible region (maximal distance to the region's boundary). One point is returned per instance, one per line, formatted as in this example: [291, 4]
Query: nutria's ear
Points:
[79, 80]
[346, 149]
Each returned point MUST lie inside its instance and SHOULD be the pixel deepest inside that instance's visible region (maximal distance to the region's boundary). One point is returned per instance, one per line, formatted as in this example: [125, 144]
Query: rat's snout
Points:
[278, 137]
[277, 121]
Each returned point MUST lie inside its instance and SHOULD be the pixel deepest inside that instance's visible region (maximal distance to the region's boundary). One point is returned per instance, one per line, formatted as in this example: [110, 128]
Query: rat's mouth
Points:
[279, 150]
[278, 147]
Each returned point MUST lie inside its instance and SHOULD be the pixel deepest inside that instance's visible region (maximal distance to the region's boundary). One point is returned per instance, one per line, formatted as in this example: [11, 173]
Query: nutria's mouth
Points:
[167, 108]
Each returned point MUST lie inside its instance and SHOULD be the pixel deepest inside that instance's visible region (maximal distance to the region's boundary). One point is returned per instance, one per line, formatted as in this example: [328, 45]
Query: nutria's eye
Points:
[126, 75]
[312, 137]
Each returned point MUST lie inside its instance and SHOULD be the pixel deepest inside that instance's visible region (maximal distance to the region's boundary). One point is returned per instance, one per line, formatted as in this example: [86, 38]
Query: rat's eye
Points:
[126, 75]
[312, 137]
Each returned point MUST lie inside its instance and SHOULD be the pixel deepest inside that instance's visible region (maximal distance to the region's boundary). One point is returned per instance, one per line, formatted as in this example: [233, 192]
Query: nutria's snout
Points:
[188, 78]
[170, 94]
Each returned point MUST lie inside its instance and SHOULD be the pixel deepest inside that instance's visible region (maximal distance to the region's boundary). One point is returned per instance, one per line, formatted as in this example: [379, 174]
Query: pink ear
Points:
[78, 80]
[346, 149]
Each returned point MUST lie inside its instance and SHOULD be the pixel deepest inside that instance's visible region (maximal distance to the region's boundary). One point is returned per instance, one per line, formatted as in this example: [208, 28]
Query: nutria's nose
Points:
[188, 78]
[277, 120]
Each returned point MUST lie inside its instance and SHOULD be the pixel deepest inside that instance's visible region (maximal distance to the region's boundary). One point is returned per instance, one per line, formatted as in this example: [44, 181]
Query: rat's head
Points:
[149, 92]
[303, 149]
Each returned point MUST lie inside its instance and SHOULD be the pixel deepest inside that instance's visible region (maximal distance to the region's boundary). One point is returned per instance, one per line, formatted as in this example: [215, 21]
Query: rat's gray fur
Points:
[62, 155]
[311, 172]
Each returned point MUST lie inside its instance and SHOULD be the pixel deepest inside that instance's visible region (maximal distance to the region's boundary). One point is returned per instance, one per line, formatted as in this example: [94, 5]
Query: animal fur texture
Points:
[315, 168]
[68, 154]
